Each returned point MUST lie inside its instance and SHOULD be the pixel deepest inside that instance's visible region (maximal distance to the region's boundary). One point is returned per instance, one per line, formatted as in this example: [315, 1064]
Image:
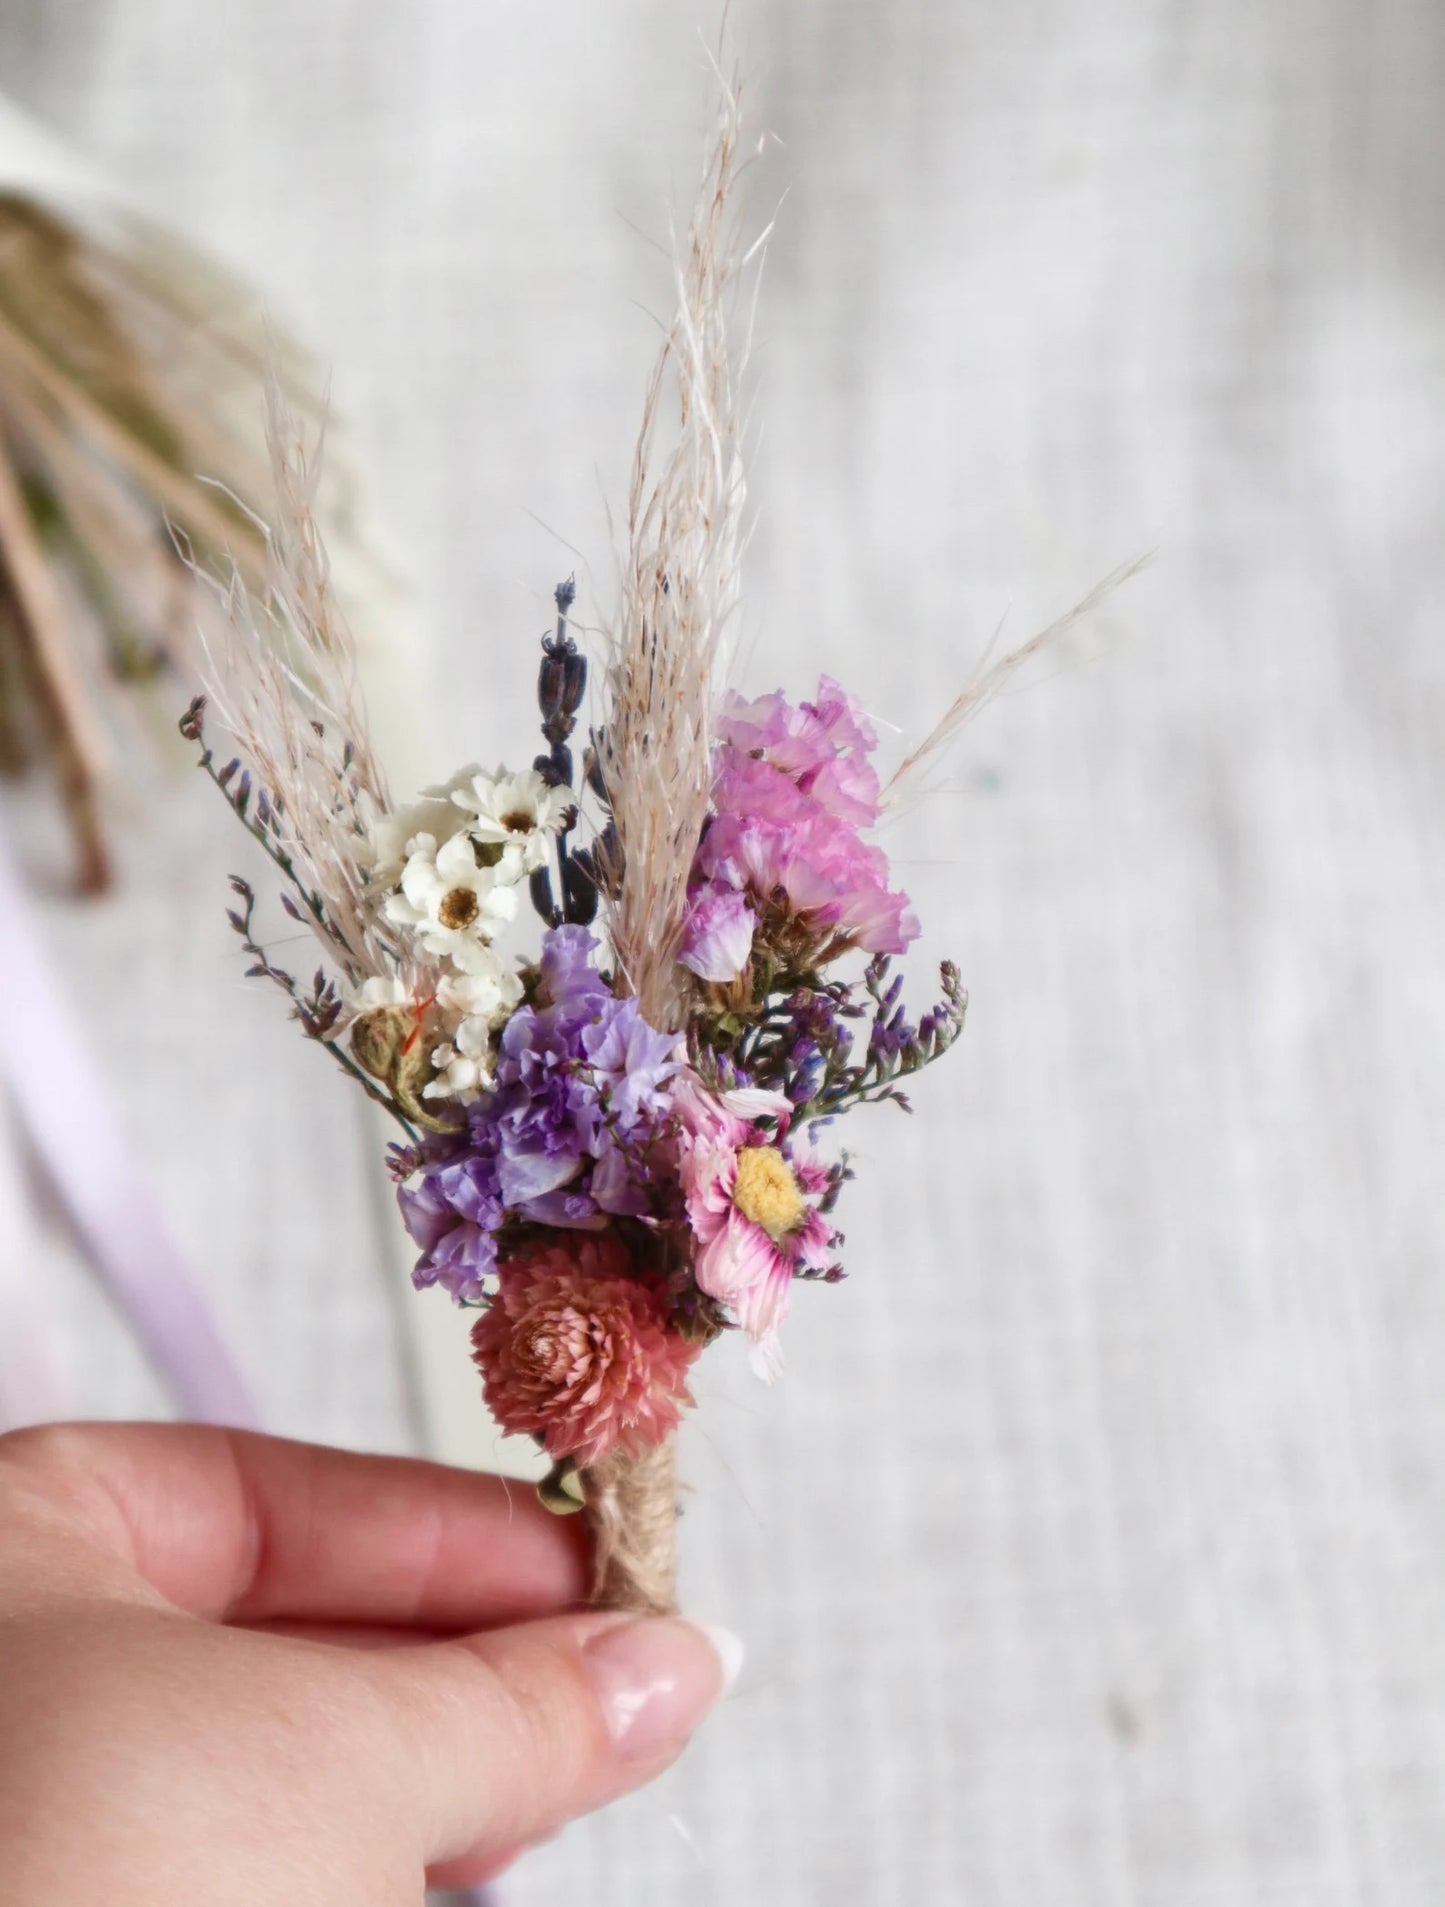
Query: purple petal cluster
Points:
[561, 1138]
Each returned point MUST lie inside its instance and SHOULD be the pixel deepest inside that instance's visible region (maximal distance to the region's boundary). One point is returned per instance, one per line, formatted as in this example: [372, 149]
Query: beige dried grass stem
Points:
[992, 676]
[285, 684]
[678, 587]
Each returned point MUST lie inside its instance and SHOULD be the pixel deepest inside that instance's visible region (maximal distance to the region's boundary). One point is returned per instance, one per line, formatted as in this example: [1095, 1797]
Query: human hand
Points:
[236, 1670]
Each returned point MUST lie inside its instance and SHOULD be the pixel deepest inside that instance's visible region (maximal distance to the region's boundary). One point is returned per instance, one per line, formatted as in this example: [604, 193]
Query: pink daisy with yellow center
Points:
[750, 1202]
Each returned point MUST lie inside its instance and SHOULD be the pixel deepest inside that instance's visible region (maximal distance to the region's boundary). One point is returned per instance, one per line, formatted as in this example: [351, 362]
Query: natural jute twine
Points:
[632, 1513]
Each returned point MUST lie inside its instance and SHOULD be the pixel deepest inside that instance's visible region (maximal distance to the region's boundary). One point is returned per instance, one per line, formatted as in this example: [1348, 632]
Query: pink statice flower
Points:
[717, 936]
[576, 1350]
[792, 787]
[823, 746]
[750, 1194]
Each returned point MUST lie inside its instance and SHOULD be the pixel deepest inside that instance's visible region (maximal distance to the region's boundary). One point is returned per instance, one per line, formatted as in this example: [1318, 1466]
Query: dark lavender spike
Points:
[540, 888]
[594, 769]
[562, 676]
[579, 889]
[225, 774]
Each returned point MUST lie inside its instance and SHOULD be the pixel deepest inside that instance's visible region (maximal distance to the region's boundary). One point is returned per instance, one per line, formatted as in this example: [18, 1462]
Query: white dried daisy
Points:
[453, 905]
[392, 840]
[463, 1066]
[488, 994]
[514, 811]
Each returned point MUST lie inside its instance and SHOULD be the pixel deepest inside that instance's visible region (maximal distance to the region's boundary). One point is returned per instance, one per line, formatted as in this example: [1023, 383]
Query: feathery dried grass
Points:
[285, 684]
[992, 676]
[679, 584]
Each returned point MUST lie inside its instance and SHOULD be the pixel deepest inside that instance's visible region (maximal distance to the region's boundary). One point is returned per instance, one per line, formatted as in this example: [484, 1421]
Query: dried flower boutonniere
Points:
[610, 1129]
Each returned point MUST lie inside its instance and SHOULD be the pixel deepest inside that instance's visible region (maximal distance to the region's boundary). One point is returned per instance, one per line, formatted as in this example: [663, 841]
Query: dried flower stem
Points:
[286, 687]
[679, 584]
[632, 1513]
[684, 524]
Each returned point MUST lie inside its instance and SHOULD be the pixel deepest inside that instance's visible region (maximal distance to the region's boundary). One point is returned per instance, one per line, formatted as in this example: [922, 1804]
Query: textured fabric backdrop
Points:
[1093, 1552]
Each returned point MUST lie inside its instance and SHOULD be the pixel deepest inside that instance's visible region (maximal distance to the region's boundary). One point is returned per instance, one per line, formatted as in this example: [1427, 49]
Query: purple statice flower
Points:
[542, 1110]
[452, 1211]
[560, 1138]
[630, 1063]
[568, 975]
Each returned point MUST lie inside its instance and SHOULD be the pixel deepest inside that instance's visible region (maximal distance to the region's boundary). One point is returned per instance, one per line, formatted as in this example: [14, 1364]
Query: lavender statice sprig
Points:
[804, 1045]
[263, 821]
[318, 1010]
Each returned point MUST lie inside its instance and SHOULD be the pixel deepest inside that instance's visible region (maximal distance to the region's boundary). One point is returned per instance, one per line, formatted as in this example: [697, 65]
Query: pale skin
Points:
[240, 1671]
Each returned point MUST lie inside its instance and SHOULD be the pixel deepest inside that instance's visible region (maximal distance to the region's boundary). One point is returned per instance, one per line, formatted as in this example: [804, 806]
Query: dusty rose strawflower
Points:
[574, 1350]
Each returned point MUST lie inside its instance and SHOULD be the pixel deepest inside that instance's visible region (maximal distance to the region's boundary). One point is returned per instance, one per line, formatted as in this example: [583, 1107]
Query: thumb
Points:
[504, 1736]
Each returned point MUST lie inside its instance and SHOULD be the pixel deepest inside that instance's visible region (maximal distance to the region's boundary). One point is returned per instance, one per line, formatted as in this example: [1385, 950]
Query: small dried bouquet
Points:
[616, 1126]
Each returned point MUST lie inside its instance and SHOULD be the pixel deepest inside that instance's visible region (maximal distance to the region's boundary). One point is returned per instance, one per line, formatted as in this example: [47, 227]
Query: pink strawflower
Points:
[748, 1193]
[575, 1350]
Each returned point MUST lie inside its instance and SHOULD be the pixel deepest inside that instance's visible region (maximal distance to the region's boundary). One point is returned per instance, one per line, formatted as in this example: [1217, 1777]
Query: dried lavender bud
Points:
[561, 683]
[561, 678]
[540, 888]
[556, 768]
[192, 723]
[579, 889]
[593, 769]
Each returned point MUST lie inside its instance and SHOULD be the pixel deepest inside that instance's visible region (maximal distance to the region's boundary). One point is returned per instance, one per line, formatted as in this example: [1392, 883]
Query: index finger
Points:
[243, 1528]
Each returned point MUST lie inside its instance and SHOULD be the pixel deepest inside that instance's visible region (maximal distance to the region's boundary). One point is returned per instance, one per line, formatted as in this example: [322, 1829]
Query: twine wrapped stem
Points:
[632, 1513]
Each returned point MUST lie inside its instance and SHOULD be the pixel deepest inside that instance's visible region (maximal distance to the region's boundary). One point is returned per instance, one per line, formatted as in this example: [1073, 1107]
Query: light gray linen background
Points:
[1092, 1552]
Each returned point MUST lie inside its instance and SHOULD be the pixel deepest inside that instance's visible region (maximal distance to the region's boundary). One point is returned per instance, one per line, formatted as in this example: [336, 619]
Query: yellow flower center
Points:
[459, 908]
[766, 1191]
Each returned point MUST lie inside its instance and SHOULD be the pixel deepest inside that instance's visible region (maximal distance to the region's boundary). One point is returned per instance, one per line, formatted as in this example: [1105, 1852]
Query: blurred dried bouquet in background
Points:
[132, 457]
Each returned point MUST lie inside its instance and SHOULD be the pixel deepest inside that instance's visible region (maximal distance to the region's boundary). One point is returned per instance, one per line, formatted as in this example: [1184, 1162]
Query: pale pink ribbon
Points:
[35, 1381]
[66, 1113]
